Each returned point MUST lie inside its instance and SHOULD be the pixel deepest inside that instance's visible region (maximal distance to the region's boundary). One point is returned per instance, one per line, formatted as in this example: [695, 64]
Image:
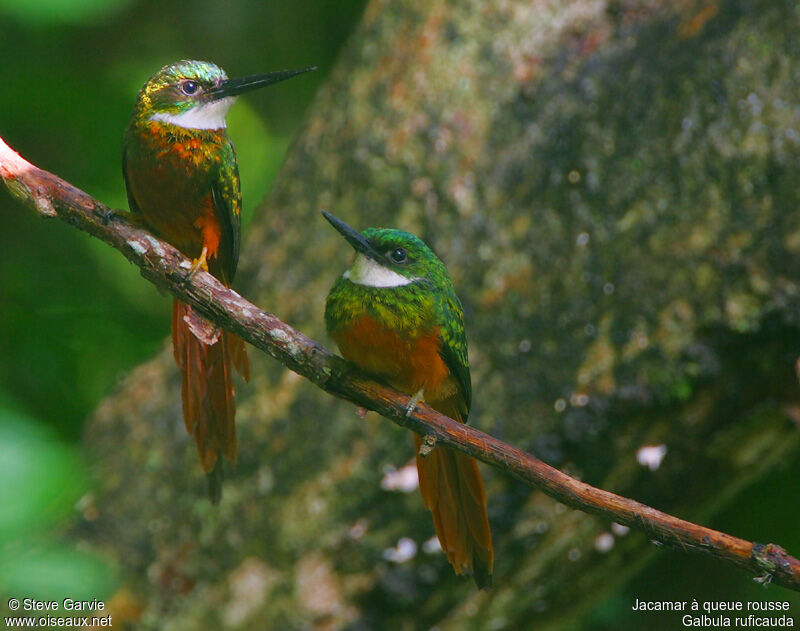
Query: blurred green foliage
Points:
[75, 317]
[43, 478]
[54, 12]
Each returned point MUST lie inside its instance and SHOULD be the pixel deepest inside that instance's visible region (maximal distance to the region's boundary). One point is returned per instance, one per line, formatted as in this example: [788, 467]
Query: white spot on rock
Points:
[619, 530]
[432, 545]
[405, 479]
[405, 550]
[604, 542]
[651, 456]
[358, 529]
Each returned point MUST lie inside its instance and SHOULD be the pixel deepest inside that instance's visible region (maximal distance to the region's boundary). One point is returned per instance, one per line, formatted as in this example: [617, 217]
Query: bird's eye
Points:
[189, 87]
[398, 255]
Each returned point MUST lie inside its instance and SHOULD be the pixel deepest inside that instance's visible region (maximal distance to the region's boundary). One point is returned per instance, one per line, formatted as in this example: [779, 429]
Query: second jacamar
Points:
[395, 314]
[183, 184]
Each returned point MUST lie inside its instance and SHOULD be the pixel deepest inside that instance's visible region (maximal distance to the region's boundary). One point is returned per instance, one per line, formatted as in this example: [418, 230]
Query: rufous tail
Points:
[206, 357]
[452, 489]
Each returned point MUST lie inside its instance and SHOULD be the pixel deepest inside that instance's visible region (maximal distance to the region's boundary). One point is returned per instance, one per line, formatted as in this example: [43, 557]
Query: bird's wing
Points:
[134, 209]
[454, 349]
[227, 198]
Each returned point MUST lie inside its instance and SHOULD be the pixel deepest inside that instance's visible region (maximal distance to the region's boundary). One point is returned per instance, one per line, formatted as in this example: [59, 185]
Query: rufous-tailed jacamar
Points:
[183, 184]
[395, 314]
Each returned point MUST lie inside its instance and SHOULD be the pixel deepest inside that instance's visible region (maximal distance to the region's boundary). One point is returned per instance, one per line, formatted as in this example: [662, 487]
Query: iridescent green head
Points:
[197, 94]
[387, 257]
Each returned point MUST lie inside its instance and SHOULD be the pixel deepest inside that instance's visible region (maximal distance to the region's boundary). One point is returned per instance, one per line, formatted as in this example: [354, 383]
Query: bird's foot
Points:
[200, 263]
[415, 400]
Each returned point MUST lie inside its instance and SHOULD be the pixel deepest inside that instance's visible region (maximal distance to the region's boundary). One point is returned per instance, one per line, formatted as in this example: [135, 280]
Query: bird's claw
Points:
[200, 263]
[412, 404]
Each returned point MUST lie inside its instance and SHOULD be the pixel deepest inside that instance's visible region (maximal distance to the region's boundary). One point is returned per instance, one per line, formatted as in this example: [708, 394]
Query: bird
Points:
[394, 314]
[182, 182]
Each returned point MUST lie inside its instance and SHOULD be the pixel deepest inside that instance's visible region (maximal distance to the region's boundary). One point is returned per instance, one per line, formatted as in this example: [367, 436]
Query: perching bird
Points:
[395, 314]
[183, 184]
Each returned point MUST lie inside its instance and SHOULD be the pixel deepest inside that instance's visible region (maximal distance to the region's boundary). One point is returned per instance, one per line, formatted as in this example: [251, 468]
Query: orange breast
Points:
[408, 362]
[171, 185]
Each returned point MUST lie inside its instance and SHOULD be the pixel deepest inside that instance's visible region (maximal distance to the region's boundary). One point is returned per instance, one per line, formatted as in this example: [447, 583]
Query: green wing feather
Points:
[454, 347]
[227, 196]
[132, 207]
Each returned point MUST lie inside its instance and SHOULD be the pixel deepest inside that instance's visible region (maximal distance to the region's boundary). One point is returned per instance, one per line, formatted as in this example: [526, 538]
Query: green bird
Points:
[183, 184]
[395, 314]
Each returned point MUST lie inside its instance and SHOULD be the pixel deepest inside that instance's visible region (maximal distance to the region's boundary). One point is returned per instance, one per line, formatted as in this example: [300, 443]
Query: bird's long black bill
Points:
[232, 87]
[353, 236]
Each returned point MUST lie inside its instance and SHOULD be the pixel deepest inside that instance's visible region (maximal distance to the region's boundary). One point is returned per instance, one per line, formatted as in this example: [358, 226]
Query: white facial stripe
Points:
[365, 271]
[205, 116]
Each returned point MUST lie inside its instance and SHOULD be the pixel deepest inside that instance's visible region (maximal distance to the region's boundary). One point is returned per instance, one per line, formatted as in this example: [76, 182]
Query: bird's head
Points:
[197, 94]
[386, 257]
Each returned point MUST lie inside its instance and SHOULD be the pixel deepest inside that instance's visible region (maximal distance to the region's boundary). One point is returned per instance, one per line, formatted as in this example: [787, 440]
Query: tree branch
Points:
[168, 269]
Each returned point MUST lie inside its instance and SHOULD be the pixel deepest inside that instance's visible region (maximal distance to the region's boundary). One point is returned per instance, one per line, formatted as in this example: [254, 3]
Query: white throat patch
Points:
[365, 271]
[205, 116]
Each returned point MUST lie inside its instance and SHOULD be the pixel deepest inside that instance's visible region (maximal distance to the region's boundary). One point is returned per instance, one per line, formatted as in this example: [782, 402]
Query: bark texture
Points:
[612, 186]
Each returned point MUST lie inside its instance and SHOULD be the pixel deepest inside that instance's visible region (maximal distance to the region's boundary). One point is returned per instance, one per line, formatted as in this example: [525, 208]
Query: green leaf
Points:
[41, 477]
[56, 11]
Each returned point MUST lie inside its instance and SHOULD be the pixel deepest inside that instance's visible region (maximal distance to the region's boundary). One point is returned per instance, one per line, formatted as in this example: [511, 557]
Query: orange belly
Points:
[409, 363]
[188, 227]
[171, 184]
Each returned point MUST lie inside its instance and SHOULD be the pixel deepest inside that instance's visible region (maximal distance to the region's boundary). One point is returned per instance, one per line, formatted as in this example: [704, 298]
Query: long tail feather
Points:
[452, 489]
[207, 390]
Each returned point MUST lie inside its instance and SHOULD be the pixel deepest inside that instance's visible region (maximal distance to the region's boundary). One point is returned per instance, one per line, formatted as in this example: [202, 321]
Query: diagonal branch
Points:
[167, 268]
